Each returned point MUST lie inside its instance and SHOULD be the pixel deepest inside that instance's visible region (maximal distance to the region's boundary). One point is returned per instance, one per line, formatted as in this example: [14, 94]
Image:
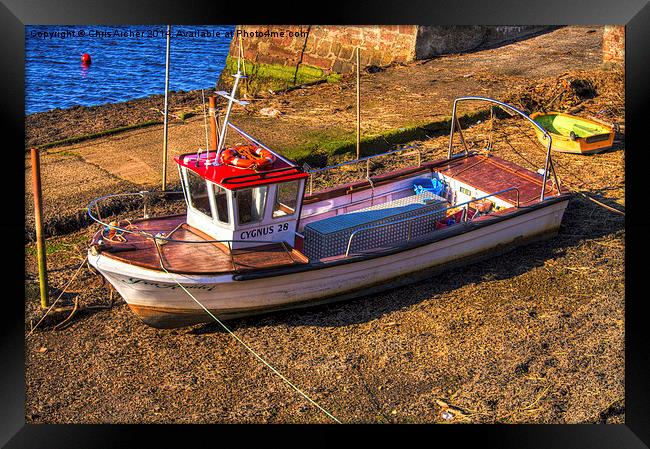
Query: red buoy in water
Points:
[85, 59]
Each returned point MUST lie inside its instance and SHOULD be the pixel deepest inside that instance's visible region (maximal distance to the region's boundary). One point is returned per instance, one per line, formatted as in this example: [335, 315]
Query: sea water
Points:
[128, 62]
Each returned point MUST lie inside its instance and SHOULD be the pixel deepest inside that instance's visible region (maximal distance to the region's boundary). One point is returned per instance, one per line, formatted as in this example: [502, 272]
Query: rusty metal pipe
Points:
[212, 114]
[166, 120]
[38, 219]
[358, 105]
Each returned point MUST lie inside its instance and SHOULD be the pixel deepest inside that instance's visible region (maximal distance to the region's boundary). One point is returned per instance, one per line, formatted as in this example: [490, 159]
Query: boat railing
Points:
[254, 141]
[144, 194]
[160, 239]
[410, 220]
[548, 165]
[406, 151]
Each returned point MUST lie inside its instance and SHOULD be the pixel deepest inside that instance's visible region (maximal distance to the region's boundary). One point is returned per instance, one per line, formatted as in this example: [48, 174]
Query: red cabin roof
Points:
[233, 178]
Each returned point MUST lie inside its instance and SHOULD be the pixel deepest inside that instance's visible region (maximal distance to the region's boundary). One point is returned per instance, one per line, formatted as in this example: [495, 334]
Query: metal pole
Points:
[38, 219]
[212, 114]
[261, 145]
[453, 128]
[358, 107]
[166, 123]
[222, 136]
[548, 158]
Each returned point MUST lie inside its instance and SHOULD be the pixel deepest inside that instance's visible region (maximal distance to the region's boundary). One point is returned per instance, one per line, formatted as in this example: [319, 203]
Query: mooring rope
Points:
[57, 299]
[260, 358]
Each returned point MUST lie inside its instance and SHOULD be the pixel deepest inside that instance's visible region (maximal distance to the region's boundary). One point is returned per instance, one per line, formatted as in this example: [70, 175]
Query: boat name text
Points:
[207, 287]
[266, 230]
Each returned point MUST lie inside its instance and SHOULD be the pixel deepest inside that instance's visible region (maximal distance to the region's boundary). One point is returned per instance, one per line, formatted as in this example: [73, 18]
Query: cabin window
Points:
[250, 204]
[221, 203]
[198, 192]
[286, 199]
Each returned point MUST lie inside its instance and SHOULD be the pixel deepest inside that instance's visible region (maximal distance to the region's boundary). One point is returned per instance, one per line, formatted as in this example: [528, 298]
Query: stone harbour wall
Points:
[328, 47]
[439, 40]
[284, 55]
[614, 44]
[280, 56]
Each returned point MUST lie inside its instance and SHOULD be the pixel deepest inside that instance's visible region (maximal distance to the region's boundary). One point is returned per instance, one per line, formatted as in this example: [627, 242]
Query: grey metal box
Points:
[330, 236]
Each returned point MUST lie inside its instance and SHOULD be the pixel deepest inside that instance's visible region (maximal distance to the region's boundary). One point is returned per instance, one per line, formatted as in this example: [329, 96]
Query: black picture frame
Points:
[635, 14]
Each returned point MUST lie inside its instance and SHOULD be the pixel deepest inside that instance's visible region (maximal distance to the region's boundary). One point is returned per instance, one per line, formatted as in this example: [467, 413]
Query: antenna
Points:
[231, 99]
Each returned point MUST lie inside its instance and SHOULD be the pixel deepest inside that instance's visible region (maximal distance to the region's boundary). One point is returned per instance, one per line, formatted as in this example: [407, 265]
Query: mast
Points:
[231, 99]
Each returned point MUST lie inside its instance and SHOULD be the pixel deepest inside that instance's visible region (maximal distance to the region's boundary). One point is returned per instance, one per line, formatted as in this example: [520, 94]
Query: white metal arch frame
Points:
[549, 161]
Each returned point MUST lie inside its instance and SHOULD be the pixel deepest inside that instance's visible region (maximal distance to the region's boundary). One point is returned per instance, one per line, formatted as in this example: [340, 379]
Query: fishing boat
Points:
[572, 134]
[256, 237]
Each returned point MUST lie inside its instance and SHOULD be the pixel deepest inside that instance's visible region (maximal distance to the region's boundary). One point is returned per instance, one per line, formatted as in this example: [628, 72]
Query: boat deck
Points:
[194, 258]
[490, 173]
[483, 172]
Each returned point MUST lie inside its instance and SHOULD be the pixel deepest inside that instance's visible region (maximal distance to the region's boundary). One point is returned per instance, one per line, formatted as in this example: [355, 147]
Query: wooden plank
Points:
[492, 174]
[194, 258]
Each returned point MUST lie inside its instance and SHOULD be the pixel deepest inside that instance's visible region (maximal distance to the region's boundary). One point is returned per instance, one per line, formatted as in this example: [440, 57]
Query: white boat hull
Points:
[156, 297]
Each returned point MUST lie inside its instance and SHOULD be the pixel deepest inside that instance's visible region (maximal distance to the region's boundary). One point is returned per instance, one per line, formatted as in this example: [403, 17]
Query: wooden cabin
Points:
[243, 206]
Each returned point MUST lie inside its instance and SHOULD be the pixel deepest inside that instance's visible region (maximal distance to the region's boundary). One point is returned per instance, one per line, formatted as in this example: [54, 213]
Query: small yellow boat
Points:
[573, 134]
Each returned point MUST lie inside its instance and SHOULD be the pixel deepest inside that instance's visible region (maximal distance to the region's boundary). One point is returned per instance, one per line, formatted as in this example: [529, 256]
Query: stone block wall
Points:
[327, 47]
[280, 56]
[614, 44]
[439, 40]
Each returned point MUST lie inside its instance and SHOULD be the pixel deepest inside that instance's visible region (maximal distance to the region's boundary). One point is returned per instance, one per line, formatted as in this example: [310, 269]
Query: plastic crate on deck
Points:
[330, 236]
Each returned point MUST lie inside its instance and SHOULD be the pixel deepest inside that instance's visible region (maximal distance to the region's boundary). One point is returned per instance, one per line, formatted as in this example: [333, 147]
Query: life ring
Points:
[231, 157]
[247, 156]
[266, 158]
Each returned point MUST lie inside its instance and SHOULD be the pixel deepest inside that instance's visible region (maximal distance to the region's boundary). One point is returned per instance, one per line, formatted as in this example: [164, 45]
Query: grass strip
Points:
[107, 132]
[319, 146]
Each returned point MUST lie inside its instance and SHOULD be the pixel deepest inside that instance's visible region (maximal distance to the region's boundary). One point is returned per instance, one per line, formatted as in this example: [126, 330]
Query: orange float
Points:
[247, 156]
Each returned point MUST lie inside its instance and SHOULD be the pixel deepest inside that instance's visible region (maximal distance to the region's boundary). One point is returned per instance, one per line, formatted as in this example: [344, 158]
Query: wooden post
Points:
[38, 219]
[212, 114]
[358, 107]
[166, 122]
